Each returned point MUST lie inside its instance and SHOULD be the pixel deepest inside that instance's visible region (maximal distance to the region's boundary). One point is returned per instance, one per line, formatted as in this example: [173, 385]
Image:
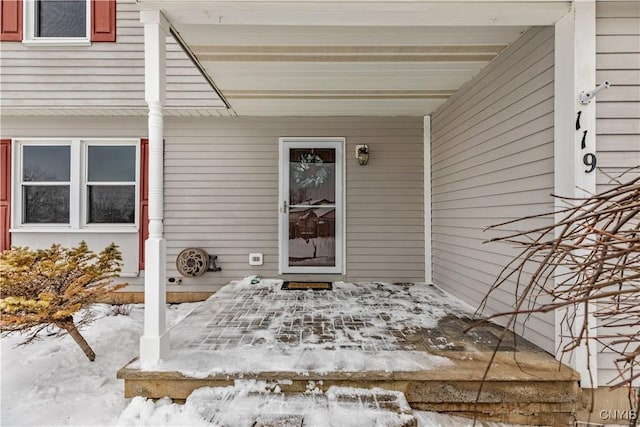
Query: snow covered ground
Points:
[51, 383]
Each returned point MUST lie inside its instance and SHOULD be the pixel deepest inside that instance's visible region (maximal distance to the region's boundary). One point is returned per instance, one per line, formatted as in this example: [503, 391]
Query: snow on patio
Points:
[51, 383]
[259, 327]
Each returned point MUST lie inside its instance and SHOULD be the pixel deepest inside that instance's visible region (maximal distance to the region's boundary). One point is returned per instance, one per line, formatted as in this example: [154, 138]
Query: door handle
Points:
[285, 208]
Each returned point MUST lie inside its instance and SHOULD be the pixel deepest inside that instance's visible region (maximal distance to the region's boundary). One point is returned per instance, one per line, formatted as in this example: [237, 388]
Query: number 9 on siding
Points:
[589, 161]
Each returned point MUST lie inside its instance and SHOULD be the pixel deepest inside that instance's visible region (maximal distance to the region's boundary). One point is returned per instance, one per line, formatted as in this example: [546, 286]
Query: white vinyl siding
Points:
[221, 190]
[617, 111]
[617, 108]
[492, 161]
[103, 78]
[221, 193]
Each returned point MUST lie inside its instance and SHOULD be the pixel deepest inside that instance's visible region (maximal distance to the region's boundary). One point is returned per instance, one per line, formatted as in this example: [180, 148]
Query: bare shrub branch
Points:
[587, 261]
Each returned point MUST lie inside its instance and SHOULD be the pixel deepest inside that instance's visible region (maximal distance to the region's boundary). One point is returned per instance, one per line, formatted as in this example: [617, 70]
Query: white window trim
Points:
[29, 34]
[78, 187]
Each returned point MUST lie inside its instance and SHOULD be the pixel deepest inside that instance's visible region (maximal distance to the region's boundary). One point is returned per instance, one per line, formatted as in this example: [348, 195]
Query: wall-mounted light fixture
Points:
[362, 154]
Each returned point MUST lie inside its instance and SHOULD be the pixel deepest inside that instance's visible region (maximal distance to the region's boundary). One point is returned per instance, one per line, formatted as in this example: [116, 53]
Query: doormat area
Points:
[303, 286]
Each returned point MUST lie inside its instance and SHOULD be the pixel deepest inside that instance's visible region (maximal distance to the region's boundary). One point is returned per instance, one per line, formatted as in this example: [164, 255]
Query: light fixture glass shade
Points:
[363, 158]
[362, 154]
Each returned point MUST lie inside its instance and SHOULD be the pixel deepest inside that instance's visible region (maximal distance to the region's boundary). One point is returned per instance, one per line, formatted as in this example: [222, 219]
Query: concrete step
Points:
[248, 403]
[535, 390]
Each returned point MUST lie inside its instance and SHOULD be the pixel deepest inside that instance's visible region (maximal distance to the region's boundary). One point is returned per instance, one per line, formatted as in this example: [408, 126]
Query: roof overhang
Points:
[358, 57]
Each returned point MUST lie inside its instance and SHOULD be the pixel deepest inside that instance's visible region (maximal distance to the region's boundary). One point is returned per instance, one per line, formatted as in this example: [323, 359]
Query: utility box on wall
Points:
[255, 259]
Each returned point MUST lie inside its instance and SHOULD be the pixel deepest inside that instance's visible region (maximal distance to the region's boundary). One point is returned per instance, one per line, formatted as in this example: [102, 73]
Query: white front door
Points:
[311, 205]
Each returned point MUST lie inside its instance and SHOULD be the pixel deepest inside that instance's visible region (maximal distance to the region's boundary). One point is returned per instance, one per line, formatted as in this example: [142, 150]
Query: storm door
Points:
[311, 205]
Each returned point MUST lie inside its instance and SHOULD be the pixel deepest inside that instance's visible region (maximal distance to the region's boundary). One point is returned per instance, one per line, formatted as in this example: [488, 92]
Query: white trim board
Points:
[575, 71]
[428, 268]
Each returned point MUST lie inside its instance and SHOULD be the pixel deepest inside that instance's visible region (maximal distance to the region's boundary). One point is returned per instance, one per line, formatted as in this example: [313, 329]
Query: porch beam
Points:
[362, 12]
[154, 344]
[575, 71]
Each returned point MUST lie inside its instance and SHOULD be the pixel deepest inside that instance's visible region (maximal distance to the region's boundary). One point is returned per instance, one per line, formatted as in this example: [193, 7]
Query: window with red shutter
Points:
[50, 21]
[11, 20]
[103, 20]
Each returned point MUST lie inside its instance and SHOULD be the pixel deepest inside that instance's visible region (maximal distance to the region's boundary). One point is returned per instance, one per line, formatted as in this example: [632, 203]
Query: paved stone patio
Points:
[367, 317]
[404, 337]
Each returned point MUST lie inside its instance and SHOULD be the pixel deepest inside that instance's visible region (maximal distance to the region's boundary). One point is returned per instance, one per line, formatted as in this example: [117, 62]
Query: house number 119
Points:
[589, 159]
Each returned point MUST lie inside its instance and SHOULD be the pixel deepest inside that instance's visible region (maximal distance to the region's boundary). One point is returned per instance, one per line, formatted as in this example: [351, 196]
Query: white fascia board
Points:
[362, 12]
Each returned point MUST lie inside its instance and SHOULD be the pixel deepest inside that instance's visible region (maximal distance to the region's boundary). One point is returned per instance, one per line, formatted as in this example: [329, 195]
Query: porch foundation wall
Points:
[543, 402]
[605, 405]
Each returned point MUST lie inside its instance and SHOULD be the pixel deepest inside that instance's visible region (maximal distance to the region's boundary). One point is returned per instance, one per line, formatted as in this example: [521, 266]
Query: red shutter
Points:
[5, 194]
[11, 20]
[144, 199]
[103, 20]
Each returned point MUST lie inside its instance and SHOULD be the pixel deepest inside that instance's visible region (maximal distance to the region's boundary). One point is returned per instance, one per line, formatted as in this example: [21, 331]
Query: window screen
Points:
[61, 18]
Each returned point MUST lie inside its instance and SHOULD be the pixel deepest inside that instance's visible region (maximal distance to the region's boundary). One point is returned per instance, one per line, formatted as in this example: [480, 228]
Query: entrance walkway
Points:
[404, 336]
[367, 317]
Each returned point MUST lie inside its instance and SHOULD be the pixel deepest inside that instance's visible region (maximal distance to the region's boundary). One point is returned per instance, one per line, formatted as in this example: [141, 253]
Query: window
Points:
[57, 21]
[111, 184]
[46, 177]
[58, 18]
[76, 183]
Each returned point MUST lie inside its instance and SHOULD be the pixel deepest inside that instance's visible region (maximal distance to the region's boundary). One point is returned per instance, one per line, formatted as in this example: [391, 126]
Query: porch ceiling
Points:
[326, 58]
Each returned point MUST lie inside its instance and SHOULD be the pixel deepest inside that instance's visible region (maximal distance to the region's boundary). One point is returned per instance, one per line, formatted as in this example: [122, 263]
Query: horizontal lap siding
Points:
[221, 193]
[221, 189]
[618, 108]
[100, 75]
[492, 161]
[617, 111]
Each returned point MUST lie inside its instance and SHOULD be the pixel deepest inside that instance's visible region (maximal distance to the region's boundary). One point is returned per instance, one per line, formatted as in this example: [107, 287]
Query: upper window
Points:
[76, 183]
[61, 18]
[57, 21]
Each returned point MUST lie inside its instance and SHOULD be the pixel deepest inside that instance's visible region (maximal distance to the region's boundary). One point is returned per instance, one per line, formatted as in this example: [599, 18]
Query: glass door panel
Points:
[312, 196]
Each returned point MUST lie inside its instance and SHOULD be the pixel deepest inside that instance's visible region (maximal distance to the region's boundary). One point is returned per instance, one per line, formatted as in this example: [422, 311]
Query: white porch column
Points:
[428, 272]
[154, 344]
[575, 149]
